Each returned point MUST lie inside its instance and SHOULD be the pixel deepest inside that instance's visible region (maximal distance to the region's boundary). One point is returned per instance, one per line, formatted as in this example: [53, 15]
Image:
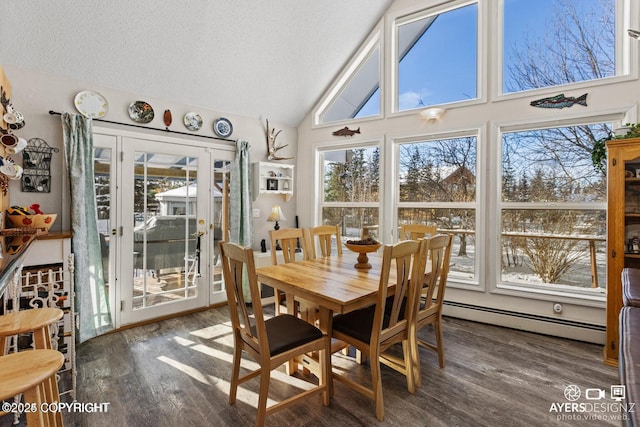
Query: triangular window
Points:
[357, 93]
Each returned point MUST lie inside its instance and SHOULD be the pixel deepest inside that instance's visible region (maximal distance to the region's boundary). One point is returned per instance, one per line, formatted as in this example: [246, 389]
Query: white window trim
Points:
[375, 39]
[407, 16]
[318, 178]
[477, 282]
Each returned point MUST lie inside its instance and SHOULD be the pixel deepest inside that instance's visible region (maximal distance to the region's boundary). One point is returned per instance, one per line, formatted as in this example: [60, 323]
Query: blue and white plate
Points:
[223, 127]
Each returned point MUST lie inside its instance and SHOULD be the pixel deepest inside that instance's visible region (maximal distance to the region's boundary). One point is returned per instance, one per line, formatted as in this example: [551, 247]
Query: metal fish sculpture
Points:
[560, 101]
[345, 131]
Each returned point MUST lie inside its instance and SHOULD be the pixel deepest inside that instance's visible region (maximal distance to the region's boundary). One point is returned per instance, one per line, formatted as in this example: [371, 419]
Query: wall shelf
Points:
[273, 178]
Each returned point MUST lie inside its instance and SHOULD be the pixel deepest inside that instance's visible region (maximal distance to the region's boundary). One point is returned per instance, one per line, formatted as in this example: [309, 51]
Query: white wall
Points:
[35, 93]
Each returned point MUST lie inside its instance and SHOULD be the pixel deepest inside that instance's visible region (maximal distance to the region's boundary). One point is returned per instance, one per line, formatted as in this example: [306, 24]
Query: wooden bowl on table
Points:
[362, 248]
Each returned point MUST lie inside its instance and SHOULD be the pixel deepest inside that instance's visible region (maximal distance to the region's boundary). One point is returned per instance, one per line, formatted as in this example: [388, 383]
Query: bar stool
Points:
[32, 373]
[37, 322]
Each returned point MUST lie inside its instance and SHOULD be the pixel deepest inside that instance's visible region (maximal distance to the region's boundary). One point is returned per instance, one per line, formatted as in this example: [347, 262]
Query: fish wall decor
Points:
[560, 101]
[345, 131]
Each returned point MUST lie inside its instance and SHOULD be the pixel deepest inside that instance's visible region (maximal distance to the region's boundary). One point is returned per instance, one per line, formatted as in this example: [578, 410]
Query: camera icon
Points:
[595, 393]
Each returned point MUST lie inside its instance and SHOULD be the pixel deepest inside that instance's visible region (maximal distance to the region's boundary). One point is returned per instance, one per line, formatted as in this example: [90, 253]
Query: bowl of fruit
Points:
[362, 248]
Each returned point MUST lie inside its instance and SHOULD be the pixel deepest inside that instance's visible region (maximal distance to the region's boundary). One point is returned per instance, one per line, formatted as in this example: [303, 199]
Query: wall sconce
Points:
[432, 114]
[634, 34]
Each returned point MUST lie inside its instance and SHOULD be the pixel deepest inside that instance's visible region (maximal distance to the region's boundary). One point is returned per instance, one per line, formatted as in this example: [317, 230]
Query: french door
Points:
[162, 223]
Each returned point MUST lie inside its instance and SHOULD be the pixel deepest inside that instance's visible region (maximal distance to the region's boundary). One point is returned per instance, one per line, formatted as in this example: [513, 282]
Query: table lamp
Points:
[275, 216]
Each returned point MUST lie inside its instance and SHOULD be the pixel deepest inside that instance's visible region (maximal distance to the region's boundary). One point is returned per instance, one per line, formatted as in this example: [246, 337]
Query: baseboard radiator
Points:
[528, 322]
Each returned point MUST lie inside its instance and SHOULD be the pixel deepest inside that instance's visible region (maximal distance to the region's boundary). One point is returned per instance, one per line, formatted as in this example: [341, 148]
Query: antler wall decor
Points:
[271, 144]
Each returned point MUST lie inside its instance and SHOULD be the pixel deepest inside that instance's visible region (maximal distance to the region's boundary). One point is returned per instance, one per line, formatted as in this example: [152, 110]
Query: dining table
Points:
[331, 283]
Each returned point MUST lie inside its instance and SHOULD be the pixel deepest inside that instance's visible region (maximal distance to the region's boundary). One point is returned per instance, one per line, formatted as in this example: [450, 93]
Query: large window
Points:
[553, 209]
[437, 58]
[555, 42]
[351, 190]
[437, 186]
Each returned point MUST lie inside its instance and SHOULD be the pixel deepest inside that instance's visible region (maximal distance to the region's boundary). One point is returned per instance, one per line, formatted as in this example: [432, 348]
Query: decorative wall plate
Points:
[91, 104]
[192, 121]
[141, 112]
[223, 127]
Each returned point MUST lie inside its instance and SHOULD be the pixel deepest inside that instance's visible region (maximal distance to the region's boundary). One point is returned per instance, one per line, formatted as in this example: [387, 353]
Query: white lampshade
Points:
[276, 214]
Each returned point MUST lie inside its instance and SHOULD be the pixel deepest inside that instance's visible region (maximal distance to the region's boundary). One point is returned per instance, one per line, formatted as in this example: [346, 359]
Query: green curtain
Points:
[92, 302]
[240, 203]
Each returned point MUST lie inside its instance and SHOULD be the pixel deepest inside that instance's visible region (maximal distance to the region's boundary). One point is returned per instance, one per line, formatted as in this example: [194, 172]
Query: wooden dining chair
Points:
[429, 305]
[323, 235]
[271, 342]
[416, 231]
[289, 239]
[371, 331]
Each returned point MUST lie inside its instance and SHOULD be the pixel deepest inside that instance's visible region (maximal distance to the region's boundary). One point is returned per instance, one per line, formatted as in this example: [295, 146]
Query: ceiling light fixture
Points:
[634, 34]
[432, 113]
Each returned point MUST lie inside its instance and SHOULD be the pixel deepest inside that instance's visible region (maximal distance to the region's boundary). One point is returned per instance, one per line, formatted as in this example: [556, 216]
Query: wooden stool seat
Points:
[32, 373]
[37, 322]
[34, 320]
[20, 322]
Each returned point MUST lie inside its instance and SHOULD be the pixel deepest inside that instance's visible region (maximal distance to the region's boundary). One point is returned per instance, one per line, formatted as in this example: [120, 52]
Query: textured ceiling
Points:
[247, 57]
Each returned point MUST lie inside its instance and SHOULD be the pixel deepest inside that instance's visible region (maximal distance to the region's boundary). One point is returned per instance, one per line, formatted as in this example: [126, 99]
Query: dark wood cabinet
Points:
[623, 229]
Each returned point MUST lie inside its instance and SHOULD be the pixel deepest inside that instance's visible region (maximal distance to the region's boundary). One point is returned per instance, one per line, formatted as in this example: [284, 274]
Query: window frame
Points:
[581, 296]
[625, 56]
[373, 41]
[474, 283]
[481, 56]
[319, 151]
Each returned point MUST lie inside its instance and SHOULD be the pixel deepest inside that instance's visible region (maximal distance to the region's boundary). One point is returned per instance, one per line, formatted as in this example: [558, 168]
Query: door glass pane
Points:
[102, 180]
[165, 235]
[221, 175]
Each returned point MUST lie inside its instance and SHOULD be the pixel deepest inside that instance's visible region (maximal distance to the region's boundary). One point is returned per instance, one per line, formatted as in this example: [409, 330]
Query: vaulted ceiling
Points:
[248, 57]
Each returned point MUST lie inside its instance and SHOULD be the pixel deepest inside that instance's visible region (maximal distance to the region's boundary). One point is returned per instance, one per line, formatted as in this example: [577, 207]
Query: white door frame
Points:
[123, 260]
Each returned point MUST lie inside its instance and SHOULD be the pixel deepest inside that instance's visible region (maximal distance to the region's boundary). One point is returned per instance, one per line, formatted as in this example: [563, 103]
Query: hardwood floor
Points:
[176, 372]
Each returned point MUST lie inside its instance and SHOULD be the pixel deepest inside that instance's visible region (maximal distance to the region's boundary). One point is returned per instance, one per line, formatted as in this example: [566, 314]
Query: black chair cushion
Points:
[389, 305]
[358, 323]
[286, 332]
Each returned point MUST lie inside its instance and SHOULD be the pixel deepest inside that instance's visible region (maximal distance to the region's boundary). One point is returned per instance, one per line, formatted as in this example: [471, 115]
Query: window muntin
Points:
[351, 189]
[437, 186]
[553, 210]
[437, 58]
[551, 43]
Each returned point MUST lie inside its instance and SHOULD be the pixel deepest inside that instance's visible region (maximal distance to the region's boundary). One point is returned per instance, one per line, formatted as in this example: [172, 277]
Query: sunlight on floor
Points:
[222, 335]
